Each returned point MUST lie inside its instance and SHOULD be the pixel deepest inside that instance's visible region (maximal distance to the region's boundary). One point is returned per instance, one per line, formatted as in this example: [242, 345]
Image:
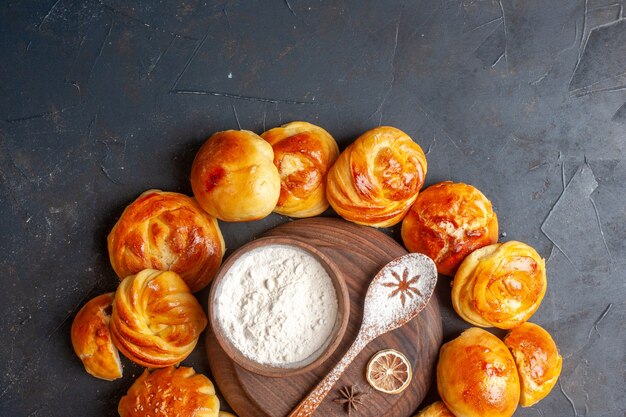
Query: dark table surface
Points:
[101, 100]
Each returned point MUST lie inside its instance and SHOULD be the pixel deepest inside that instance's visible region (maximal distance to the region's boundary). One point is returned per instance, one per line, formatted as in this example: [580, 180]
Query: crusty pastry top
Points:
[377, 178]
[170, 392]
[234, 178]
[436, 409]
[538, 361]
[500, 285]
[156, 321]
[477, 377]
[447, 222]
[167, 231]
[303, 154]
[91, 339]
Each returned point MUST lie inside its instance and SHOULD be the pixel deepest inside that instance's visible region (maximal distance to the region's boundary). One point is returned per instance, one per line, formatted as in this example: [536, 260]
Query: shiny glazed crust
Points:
[303, 154]
[167, 231]
[538, 361]
[436, 409]
[500, 285]
[170, 392]
[376, 179]
[92, 341]
[477, 376]
[234, 178]
[156, 321]
[447, 222]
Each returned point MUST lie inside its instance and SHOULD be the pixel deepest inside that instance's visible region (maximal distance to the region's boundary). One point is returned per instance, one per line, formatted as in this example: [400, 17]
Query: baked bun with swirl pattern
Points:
[170, 392]
[156, 321]
[91, 339]
[167, 231]
[436, 409]
[447, 222]
[303, 154]
[377, 178]
[538, 361]
[477, 376]
[234, 178]
[500, 285]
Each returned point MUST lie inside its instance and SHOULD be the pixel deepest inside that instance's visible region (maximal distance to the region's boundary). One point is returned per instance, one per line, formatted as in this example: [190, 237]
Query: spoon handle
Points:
[310, 403]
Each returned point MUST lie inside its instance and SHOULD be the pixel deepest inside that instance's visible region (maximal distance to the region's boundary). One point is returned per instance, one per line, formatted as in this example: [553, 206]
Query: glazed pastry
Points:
[538, 361]
[156, 321]
[436, 409]
[91, 339]
[170, 392]
[447, 222]
[376, 179]
[500, 285]
[234, 178]
[225, 414]
[477, 376]
[167, 231]
[303, 154]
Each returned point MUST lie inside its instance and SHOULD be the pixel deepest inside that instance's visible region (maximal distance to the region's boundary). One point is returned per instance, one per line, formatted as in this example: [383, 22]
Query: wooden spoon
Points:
[395, 296]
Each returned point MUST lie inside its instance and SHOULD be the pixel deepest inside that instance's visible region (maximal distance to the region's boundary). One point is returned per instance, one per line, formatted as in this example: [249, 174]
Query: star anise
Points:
[350, 397]
[403, 286]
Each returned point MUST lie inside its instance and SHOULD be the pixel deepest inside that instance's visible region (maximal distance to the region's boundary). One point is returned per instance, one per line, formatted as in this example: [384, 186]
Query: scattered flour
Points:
[278, 306]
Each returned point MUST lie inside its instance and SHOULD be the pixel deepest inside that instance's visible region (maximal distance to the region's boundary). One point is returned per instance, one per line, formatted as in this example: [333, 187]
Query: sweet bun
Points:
[500, 285]
[303, 154]
[225, 414]
[234, 178]
[376, 179]
[538, 361]
[91, 339]
[477, 377]
[170, 392]
[436, 409]
[167, 231]
[447, 222]
[156, 321]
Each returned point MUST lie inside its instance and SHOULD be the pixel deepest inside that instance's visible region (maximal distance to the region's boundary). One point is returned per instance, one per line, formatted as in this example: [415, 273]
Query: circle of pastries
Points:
[377, 178]
[477, 376]
[234, 178]
[303, 154]
[92, 341]
[167, 231]
[447, 222]
[538, 361]
[170, 392]
[156, 321]
[500, 285]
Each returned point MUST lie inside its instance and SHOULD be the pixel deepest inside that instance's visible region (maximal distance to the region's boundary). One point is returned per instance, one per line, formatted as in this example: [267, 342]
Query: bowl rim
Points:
[343, 308]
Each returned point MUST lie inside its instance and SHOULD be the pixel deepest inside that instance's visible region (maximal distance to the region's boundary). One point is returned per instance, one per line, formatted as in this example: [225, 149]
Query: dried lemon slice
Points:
[389, 371]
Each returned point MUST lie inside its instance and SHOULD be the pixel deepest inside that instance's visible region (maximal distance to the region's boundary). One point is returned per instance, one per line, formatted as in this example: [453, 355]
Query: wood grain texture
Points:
[359, 253]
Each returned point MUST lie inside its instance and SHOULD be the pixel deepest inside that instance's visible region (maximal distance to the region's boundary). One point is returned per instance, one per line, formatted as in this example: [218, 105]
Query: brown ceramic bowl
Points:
[343, 312]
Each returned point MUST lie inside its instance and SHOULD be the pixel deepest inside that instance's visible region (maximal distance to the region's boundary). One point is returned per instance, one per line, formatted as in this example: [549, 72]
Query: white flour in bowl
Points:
[277, 305]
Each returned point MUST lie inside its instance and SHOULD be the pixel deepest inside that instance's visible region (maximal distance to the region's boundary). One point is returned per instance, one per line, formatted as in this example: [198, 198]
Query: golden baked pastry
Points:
[225, 414]
[167, 231]
[234, 178]
[477, 376]
[170, 392]
[376, 179]
[91, 339]
[538, 361]
[303, 154]
[500, 285]
[436, 409]
[447, 222]
[156, 321]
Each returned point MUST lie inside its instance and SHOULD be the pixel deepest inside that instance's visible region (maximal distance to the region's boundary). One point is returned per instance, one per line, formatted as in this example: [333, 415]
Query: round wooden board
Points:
[359, 253]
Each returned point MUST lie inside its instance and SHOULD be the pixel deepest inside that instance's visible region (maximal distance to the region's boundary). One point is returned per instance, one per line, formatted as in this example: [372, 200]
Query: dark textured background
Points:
[101, 100]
